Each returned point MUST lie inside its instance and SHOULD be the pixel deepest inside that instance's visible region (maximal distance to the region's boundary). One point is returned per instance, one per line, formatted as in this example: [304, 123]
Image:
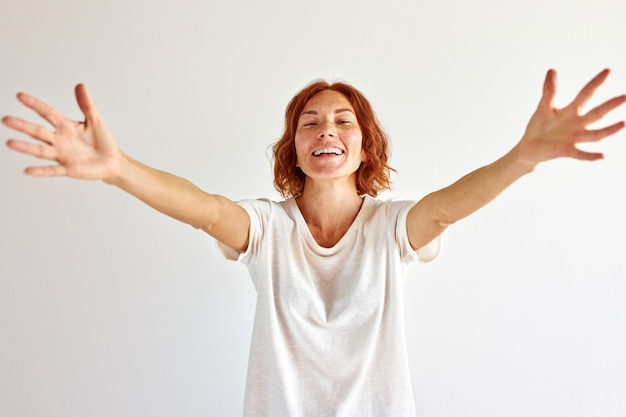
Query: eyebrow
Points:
[313, 112]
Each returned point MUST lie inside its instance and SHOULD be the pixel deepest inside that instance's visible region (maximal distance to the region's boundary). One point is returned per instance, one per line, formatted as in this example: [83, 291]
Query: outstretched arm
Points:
[551, 133]
[88, 150]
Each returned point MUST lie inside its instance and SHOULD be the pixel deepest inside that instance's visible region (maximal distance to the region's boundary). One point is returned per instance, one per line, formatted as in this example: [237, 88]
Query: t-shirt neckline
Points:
[308, 236]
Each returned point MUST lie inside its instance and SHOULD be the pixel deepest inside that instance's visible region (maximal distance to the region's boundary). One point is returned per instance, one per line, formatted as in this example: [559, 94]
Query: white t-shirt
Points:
[328, 336]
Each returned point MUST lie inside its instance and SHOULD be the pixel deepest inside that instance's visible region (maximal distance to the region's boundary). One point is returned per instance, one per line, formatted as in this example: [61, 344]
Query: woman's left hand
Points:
[552, 133]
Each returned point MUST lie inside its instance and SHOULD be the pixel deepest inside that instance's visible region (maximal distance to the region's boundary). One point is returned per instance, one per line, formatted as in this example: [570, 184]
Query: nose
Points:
[327, 130]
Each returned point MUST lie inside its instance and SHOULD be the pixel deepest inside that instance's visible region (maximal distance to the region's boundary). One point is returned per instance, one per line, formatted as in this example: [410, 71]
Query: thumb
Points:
[549, 90]
[85, 103]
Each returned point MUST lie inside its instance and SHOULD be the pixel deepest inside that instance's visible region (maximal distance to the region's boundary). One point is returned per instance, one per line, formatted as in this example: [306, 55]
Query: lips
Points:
[328, 151]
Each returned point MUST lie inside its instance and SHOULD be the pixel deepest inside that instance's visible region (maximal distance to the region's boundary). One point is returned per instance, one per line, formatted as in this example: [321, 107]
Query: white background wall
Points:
[110, 309]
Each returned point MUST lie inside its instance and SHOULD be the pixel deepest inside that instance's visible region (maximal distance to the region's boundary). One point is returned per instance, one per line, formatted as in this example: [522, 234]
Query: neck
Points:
[329, 211]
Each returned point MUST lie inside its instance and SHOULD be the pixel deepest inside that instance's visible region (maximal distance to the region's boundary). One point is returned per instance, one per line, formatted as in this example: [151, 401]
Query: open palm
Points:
[553, 133]
[84, 150]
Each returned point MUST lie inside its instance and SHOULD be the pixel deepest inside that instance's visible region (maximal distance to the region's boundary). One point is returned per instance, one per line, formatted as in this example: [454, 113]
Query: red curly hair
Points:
[372, 177]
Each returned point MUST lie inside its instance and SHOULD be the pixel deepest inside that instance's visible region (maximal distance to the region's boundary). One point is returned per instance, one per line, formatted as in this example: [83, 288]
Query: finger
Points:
[599, 112]
[589, 89]
[46, 171]
[599, 134]
[33, 130]
[42, 109]
[38, 151]
[549, 90]
[85, 103]
[585, 156]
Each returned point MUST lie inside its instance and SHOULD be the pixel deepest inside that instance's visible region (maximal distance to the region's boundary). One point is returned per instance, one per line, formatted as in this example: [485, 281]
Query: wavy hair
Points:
[372, 177]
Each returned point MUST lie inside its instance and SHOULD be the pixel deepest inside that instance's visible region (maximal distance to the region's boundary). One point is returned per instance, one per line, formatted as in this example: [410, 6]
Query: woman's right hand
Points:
[88, 150]
[85, 150]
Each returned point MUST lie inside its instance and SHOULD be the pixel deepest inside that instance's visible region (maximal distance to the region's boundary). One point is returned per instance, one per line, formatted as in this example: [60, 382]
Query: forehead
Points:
[329, 100]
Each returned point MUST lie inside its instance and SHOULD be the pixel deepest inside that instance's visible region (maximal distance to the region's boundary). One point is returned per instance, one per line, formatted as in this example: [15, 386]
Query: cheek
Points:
[363, 154]
[358, 142]
[297, 144]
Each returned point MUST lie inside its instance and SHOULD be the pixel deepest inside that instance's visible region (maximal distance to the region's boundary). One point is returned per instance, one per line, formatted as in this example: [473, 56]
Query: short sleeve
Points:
[424, 254]
[431, 251]
[254, 209]
[228, 252]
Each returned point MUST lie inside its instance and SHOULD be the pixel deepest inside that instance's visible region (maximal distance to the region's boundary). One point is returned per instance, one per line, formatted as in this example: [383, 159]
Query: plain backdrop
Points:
[108, 308]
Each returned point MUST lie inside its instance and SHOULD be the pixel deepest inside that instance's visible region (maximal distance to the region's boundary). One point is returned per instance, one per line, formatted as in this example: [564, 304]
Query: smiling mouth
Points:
[328, 151]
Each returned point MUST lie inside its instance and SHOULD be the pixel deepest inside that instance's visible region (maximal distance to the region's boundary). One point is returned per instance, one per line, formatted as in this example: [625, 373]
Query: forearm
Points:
[477, 188]
[165, 192]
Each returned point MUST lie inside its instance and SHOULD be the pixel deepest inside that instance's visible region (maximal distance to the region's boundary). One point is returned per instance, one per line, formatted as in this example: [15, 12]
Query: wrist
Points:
[522, 160]
[118, 169]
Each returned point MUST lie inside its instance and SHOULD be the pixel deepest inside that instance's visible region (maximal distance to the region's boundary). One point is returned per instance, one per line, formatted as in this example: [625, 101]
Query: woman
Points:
[328, 263]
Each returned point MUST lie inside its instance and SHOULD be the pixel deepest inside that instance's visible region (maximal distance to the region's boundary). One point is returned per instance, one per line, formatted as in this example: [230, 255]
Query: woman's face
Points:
[328, 138]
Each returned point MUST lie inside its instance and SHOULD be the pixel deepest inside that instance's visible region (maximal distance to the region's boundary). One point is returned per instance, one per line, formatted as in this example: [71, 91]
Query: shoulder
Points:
[390, 209]
[392, 214]
[388, 216]
[264, 210]
[262, 205]
[266, 217]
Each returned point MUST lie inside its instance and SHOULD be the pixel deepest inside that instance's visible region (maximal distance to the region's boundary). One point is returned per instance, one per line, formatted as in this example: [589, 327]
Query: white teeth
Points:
[335, 151]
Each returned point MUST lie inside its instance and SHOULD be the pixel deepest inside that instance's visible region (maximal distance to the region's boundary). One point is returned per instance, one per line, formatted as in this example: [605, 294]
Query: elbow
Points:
[441, 216]
[208, 227]
[445, 220]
